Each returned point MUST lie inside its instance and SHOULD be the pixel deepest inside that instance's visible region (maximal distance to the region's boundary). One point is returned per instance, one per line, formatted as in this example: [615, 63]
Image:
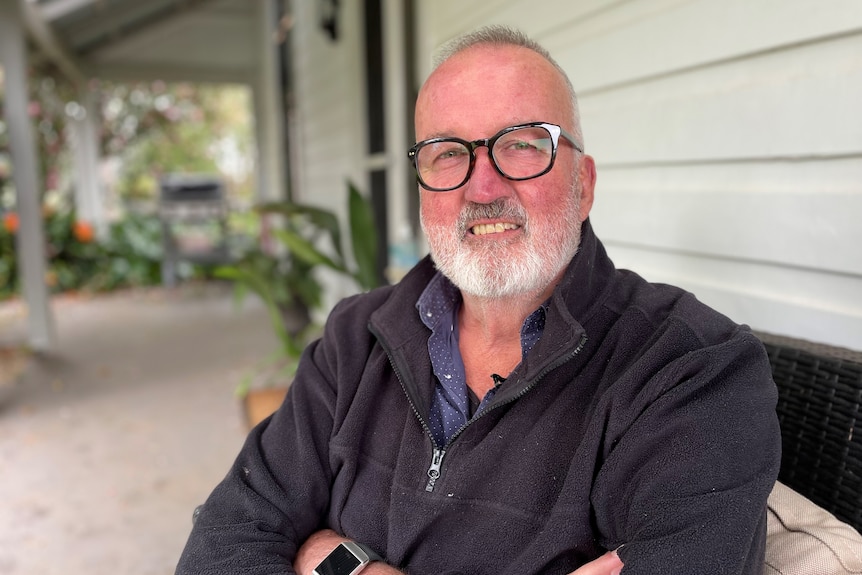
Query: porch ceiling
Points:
[203, 40]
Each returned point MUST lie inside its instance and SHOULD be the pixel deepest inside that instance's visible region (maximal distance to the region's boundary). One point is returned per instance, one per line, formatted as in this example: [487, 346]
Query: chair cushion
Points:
[804, 539]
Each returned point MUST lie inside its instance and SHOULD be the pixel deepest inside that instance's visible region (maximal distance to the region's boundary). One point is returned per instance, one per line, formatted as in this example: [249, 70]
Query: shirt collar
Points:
[440, 299]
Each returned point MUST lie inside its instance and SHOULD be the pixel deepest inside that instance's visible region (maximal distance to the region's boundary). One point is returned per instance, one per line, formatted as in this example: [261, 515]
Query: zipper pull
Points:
[434, 470]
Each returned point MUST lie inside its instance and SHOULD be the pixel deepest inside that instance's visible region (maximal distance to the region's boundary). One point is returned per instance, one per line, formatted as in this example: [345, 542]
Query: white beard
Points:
[526, 264]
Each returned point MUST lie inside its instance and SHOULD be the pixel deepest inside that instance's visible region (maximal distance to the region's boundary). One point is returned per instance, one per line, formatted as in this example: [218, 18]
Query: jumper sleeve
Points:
[690, 464]
[277, 491]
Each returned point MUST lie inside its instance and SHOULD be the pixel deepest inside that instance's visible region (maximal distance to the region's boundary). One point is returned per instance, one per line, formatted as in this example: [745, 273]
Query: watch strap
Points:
[362, 554]
[372, 555]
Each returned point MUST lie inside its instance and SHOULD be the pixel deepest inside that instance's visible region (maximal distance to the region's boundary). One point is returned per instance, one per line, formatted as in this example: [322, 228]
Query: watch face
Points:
[340, 562]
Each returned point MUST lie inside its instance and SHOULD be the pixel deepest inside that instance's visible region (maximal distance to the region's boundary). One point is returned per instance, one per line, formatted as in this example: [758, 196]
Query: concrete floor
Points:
[107, 446]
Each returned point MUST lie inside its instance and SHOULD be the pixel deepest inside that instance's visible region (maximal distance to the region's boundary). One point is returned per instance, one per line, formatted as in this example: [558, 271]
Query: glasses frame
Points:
[553, 129]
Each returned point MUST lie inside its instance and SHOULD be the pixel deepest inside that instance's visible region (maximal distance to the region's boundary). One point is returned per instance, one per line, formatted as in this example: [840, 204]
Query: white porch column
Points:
[268, 109]
[89, 197]
[403, 243]
[31, 240]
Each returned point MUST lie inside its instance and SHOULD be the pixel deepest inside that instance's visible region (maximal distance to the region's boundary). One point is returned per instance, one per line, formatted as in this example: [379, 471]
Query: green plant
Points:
[283, 278]
[129, 255]
[133, 254]
[8, 261]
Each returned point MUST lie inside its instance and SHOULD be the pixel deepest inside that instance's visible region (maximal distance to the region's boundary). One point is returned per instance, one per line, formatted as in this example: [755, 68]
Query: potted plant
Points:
[282, 276]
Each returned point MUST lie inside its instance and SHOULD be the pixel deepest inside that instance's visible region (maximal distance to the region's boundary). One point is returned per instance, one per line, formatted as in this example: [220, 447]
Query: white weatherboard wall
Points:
[728, 141]
[329, 131]
[329, 139]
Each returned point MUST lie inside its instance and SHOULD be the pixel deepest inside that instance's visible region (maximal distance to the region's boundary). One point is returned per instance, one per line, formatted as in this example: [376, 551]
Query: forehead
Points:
[485, 88]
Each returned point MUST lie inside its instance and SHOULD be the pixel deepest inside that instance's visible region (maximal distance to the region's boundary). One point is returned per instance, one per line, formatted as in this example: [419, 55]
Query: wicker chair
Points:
[820, 411]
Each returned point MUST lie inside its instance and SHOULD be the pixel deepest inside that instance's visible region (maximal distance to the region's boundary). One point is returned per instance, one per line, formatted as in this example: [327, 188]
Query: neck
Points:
[498, 320]
[490, 335]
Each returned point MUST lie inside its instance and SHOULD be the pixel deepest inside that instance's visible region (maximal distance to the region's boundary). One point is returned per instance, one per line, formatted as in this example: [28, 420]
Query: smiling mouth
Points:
[485, 229]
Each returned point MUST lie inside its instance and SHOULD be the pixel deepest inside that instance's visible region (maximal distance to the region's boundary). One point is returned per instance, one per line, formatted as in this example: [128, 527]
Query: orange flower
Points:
[10, 222]
[83, 232]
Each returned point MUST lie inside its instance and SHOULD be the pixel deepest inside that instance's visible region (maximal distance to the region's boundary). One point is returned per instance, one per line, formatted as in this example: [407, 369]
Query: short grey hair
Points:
[498, 35]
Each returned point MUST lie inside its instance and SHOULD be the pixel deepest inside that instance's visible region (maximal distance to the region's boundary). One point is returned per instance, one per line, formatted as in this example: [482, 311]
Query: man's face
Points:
[495, 237]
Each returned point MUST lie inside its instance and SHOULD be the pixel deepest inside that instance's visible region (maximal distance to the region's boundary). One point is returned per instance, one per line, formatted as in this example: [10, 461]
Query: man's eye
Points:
[520, 146]
[451, 153]
[529, 145]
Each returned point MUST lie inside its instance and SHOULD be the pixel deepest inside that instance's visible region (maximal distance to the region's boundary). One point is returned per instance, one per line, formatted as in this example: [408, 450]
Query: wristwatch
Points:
[349, 558]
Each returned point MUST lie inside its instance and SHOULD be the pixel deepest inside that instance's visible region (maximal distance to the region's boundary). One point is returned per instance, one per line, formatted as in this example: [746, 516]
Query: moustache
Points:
[499, 209]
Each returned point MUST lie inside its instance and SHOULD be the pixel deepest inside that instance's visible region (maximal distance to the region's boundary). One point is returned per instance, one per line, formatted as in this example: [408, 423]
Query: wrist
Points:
[348, 558]
[314, 550]
[380, 568]
[323, 543]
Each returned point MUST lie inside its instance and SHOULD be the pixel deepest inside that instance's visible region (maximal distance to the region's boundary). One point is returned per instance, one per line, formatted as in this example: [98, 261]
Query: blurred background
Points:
[188, 186]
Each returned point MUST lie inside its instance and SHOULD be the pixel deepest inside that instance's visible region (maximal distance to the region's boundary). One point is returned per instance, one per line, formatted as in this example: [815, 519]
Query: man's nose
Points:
[485, 184]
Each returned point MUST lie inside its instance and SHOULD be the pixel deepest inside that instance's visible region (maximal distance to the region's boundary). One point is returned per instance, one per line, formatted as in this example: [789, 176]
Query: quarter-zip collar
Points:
[573, 301]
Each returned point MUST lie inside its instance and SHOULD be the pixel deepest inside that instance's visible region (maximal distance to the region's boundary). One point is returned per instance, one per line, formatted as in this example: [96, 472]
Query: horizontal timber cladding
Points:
[728, 141]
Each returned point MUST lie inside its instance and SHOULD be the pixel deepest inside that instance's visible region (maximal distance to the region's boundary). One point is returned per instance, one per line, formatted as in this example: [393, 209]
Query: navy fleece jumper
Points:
[640, 417]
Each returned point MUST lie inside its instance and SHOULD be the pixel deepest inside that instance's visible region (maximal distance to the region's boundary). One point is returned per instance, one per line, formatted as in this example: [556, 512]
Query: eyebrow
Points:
[439, 135]
[515, 122]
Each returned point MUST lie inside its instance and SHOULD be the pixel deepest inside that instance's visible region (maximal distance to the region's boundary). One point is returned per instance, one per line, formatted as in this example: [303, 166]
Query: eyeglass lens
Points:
[520, 154]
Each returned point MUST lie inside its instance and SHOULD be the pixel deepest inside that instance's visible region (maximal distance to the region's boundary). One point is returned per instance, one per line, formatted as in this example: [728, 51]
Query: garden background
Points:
[148, 130]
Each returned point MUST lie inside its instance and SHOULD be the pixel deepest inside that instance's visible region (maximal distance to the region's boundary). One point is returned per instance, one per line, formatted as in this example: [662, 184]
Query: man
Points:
[518, 406]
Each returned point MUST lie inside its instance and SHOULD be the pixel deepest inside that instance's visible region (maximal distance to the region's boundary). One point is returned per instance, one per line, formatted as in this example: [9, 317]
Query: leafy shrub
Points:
[129, 256]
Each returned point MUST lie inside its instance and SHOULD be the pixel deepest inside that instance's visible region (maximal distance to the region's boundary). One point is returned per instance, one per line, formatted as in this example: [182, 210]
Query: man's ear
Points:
[587, 174]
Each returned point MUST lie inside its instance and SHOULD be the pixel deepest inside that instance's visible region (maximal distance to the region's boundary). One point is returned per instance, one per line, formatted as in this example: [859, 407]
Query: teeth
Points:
[483, 229]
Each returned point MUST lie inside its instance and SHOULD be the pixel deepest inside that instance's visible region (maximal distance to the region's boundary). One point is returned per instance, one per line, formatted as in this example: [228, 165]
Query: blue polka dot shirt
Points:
[451, 406]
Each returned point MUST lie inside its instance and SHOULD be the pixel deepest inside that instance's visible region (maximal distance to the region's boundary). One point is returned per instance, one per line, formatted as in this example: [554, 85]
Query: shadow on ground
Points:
[108, 445]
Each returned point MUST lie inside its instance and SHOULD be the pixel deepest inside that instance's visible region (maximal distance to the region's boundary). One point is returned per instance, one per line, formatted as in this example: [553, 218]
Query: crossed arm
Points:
[318, 546]
[696, 460]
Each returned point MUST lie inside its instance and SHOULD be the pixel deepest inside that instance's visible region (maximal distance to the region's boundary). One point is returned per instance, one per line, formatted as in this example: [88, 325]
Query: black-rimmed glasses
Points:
[517, 153]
